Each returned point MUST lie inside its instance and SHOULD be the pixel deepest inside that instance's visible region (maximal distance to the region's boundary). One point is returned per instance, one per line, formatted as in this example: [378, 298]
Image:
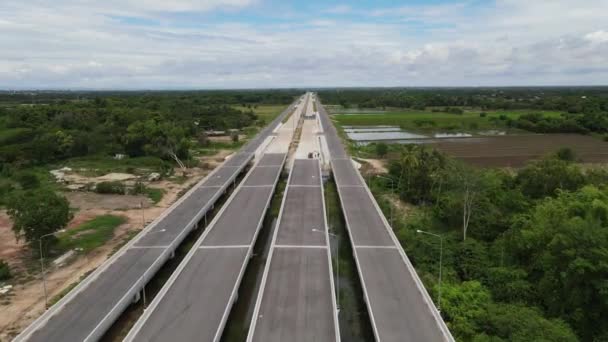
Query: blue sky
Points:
[200, 44]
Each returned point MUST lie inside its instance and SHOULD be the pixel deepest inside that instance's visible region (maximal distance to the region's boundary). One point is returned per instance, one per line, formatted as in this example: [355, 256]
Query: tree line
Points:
[585, 108]
[40, 134]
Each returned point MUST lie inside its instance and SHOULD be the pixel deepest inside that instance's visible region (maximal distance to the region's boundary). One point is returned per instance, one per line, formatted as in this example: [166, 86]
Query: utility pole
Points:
[143, 218]
[440, 264]
[46, 300]
[392, 192]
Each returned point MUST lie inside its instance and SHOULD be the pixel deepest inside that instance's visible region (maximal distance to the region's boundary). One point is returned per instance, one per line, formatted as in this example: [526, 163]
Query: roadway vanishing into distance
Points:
[296, 301]
[87, 311]
[399, 306]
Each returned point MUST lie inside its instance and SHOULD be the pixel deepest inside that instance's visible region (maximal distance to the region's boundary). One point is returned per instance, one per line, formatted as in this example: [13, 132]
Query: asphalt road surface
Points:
[194, 304]
[296, 301]
[91, 308]
[398, 305]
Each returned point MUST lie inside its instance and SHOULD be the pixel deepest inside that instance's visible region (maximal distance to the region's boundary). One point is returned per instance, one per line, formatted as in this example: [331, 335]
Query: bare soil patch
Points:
[26, 302]
[226, 138]
[377, 166]
[516, 150]
[91, 200]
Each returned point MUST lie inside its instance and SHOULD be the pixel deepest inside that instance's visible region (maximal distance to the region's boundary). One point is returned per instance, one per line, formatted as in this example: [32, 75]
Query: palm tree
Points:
[408, 161]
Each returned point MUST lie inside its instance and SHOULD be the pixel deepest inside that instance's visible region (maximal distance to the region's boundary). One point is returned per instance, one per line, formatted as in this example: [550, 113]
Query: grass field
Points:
[266, 112]
[433, 121]
[154, 194]
[99, 165]
[91, 234]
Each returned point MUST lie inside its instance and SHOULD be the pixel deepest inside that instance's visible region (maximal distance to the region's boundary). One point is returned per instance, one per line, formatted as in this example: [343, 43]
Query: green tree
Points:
[419, 171]
[381, 149]
[163, 139]
[464, 307]
[471, 260]
[519, 323]
[27, 180]
[509, 284]
[544, 177]
[36, 213]
[562, 247]
[467, 186]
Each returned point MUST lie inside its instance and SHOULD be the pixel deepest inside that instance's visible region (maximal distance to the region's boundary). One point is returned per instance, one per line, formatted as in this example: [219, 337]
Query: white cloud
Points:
[184, 5]
[597, 36]
[423, 12]
[78, 43]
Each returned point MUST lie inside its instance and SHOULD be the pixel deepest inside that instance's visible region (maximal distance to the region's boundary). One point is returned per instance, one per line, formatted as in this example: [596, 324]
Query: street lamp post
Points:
[392, 192]
[440, 264]
[337, 264]
[143, 218]
[46, 301]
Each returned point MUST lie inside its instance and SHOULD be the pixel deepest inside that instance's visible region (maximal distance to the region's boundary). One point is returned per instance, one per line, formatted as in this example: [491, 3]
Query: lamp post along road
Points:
[392, 192]
[46, 301]
[143, 218]
[440, 264]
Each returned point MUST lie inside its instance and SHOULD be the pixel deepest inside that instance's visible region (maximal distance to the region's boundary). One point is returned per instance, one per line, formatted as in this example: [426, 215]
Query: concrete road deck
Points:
[399, 306]
[194, 307]
[297, 305]
[297, 300]
[194, 304]
[92, 306]
[98, 297]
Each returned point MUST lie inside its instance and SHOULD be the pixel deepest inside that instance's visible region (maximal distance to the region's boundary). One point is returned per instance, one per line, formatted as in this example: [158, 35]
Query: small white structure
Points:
[154, 176]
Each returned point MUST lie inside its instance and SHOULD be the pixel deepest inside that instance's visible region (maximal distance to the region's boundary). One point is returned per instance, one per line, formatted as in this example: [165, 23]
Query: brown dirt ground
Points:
[377, 165]
[26, 301]
[516, 150]
[226, 138]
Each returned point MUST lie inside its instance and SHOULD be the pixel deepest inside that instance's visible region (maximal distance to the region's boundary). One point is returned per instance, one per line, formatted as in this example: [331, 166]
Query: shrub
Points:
[381, 149]
[565, 154]
[234, 136]
[27, 180]
[138, 188]
[483, 114]
[110, 188]
[5, 272]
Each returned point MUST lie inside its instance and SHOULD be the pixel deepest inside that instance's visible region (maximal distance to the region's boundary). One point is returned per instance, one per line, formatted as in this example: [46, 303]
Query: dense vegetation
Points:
[108, 132]
[136, 127]
[154, 129]
[584, 110]
[525, 253]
